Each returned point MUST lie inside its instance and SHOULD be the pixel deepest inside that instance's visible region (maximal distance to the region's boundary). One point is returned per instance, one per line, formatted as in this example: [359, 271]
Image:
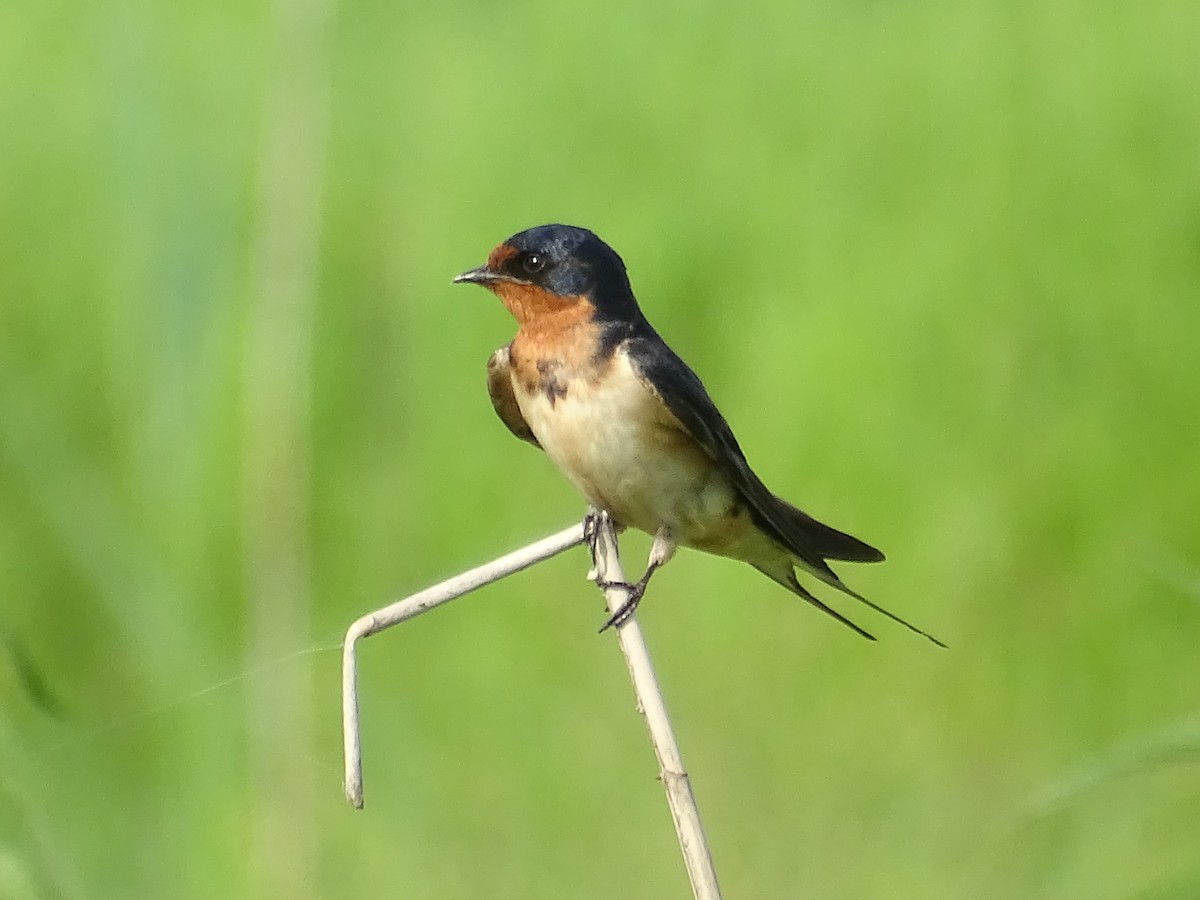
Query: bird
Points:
[589, 381]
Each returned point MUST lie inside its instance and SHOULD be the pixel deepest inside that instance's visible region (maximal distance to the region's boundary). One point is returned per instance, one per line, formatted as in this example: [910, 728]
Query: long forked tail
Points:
[828, 576]
[796, 588]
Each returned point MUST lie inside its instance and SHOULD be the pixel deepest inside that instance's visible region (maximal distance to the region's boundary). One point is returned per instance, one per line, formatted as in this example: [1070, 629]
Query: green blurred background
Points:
[938, 262]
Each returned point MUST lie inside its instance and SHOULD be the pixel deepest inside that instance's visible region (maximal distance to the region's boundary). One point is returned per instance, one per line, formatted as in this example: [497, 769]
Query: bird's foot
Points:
[593, 521]
[634, 591]
[591, 527]
[591, 536]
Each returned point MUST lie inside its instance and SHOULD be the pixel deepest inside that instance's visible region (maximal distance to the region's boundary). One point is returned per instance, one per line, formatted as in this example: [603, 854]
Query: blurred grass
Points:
[939, 264]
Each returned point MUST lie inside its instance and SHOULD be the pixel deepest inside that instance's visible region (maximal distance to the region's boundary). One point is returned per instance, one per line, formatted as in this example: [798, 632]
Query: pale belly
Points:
[628, 455]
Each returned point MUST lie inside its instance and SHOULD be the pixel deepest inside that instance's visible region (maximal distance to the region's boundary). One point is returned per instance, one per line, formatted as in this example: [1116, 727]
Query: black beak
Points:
[481, 275]
[485, 276]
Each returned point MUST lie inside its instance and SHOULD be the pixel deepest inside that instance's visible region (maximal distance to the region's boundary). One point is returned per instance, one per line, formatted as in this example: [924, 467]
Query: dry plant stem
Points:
[607, 567]
[425, 600]
[688, 827]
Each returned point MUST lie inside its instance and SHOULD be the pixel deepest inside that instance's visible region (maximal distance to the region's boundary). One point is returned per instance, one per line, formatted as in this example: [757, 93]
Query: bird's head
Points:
[553, 268]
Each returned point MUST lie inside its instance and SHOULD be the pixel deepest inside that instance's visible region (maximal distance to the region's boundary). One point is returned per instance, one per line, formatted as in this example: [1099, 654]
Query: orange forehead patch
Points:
[500, 256]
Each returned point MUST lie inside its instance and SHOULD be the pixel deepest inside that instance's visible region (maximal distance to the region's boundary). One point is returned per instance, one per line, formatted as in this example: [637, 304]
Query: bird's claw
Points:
[591, 527]
[626, 609]
[593, 522]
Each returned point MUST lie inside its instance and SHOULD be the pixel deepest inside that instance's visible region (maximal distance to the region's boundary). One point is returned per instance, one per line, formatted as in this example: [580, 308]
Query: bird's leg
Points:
[661, 552]
[591, 527]
[592, 522]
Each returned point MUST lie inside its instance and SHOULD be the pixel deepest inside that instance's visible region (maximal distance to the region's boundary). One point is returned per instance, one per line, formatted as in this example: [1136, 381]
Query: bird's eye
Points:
[533, 263]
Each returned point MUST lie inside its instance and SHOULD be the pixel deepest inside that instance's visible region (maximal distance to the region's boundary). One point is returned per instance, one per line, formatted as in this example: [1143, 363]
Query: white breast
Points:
[626, 453]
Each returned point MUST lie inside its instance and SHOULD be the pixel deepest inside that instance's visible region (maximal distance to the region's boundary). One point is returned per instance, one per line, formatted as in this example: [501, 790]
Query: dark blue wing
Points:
[682, 392]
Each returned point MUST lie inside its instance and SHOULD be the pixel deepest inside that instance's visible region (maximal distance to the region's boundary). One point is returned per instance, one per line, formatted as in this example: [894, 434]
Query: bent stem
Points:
[423, 601]
[607, 568]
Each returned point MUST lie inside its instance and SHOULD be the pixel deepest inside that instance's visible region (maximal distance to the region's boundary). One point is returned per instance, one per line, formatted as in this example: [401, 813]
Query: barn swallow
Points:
[588, 380]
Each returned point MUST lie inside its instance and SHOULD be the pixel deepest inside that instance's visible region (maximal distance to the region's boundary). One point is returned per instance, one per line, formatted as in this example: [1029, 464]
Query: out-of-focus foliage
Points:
[938, 263]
